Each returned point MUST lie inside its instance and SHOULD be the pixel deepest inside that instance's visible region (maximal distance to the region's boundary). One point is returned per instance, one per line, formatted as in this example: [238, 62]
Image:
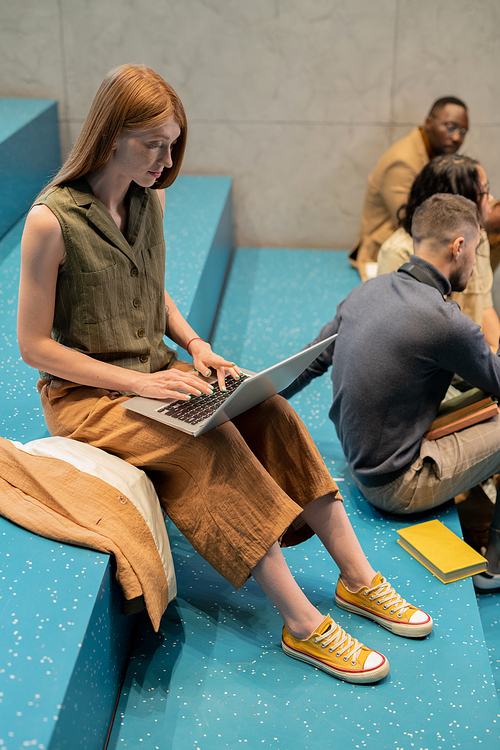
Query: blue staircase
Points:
[214, 676]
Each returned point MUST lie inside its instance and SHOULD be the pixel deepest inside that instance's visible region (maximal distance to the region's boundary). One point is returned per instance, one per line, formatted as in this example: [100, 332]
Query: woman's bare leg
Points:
[327, 518]
[275, 579]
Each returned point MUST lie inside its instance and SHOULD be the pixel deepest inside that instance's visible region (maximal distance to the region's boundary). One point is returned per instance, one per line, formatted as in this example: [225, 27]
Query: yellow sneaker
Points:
[381, 603]
[334, 651]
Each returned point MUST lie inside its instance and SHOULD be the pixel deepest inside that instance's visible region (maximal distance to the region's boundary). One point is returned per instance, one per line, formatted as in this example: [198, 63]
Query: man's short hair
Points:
[443, 217]
[441, 104]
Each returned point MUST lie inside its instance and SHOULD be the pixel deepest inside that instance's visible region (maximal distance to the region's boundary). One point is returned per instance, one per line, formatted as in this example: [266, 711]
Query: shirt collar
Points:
[99, 216]
[442, 282]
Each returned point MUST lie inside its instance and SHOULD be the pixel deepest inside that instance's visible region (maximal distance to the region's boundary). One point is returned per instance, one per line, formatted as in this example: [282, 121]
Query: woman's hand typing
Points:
[207, 362]
[172, 383]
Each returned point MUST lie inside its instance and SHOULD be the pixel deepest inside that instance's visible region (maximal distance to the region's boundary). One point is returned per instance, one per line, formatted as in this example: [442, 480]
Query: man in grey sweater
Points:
[400, 342]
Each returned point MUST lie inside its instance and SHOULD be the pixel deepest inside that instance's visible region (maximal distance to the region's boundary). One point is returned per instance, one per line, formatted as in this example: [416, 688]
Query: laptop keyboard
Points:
[199, 408]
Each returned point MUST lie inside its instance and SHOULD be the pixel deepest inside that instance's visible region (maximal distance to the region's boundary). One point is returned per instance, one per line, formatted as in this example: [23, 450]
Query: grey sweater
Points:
[399, 344]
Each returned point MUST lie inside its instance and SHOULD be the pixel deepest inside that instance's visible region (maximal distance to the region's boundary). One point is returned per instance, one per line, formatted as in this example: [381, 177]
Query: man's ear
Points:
[456, 246]
[427, 123]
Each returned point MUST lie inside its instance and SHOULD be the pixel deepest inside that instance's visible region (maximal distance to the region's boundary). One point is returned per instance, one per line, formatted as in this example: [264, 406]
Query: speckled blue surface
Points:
[215, 676]
[29, 153]
[198, 233]
[54, 640]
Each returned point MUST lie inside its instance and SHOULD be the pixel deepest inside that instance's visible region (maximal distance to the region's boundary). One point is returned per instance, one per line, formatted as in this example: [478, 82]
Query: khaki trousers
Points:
[232, 492]
[445, 468]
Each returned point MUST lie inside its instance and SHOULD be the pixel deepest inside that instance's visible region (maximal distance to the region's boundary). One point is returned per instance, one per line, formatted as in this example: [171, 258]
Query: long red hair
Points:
[130, 97]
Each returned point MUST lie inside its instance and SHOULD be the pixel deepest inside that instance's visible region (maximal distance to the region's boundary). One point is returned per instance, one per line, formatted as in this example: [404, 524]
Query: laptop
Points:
[202, 413]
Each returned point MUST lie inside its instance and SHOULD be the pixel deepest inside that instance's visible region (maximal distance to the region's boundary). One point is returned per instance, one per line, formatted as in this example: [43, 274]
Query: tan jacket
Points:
[388, 188]
[50, 497]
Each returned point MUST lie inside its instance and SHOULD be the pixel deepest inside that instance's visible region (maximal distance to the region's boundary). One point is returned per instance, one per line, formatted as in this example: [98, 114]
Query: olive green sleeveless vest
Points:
[110, 300]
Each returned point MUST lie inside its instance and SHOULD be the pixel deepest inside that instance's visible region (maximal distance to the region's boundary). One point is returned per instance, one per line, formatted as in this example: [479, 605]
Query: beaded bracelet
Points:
[195, 338]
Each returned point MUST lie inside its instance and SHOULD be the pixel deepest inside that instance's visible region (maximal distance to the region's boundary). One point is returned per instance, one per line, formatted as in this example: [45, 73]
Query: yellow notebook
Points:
[441, 551]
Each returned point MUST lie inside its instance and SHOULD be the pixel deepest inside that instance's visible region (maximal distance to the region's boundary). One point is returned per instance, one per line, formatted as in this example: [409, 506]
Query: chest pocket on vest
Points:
[102, 295]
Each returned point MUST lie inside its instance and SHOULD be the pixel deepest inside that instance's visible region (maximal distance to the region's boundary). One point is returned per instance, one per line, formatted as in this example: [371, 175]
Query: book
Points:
[466, 398]
[466, 409]
[474, 417]
[446, 418]
[441, 551]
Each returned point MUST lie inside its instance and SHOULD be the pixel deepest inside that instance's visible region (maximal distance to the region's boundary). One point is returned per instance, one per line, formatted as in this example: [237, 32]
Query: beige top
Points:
[475, 298]
[110, 300]
[388, 188]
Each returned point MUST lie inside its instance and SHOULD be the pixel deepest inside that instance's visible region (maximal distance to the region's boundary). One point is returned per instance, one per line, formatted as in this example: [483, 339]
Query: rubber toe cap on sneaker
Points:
[374, 660]
[419, 617]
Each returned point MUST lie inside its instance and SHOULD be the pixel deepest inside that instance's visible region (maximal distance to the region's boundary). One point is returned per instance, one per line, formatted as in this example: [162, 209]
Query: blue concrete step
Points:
[63, 643]
[198, 226]
[63, 640]
[215, 676]
[29, 154]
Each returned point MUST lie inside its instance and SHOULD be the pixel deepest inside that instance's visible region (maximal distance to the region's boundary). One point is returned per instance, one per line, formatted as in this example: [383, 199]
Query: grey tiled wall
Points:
[295, 99]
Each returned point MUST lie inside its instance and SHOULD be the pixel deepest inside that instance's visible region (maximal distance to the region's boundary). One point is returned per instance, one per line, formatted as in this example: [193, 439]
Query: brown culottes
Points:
[232, 491]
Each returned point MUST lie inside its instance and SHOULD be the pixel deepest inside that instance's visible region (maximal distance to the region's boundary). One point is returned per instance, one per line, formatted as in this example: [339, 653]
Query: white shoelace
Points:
[339, 641]
[385, 594]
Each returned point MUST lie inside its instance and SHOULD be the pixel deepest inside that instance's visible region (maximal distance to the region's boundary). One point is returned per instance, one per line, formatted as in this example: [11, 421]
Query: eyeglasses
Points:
[452, 128]
[485, 190]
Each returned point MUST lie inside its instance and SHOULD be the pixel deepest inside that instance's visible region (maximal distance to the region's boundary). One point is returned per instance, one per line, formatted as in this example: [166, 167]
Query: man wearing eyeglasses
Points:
[389, 184]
